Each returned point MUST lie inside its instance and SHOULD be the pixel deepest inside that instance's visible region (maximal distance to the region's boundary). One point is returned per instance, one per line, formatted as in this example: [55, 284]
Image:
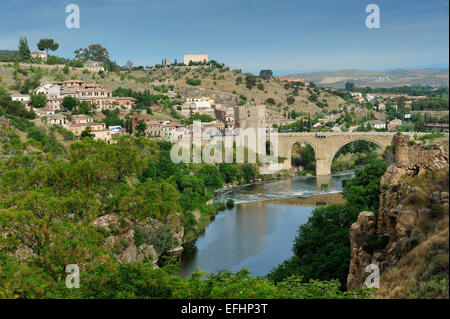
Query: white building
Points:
[48, 89]
[43, 112]
[376, 124]
[21, 98]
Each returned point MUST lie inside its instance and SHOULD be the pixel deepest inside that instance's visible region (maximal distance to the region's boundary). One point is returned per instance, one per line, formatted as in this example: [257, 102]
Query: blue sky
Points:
[283, 35]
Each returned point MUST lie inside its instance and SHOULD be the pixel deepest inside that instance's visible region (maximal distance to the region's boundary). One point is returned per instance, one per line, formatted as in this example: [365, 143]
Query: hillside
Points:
[228, 87]
[409, 77]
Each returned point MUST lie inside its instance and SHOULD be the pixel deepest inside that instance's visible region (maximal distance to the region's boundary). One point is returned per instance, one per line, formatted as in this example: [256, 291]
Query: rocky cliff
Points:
[147, 240]
[414, 199]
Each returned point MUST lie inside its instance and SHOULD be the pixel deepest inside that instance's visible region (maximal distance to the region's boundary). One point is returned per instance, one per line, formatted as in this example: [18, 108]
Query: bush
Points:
[193, 82]
[375, 243]
[48, 143]
[230, 203]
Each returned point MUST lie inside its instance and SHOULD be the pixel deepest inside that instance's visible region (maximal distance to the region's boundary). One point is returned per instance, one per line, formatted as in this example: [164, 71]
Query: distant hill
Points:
[435, 77]
[7, 52]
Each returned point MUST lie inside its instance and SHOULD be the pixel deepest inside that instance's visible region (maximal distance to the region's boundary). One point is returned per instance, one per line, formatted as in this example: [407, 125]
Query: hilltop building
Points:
[197, 58]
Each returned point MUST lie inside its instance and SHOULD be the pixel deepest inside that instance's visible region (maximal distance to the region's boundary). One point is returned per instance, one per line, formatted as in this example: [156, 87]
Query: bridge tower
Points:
[250, 115]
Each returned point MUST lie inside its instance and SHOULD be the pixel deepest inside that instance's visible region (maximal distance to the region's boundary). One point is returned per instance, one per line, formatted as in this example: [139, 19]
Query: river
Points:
[259, 231]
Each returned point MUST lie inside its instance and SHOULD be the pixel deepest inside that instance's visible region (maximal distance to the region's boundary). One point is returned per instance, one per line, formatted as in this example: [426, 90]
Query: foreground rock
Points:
[123, 244]
[404, 211]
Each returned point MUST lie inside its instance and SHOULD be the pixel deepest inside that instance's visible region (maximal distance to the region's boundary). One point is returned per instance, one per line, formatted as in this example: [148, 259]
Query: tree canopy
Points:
[47, 44]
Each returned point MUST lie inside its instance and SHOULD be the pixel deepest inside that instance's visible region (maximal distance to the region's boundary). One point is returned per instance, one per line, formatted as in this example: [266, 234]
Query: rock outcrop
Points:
[383, 240]
[123, 245]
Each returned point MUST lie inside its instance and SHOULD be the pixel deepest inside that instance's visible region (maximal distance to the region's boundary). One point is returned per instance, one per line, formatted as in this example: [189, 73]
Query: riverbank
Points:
[259, 186]
[258, 232]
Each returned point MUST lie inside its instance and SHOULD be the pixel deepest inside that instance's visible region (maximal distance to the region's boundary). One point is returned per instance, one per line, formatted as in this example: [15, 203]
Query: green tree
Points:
[24, 50]
[69, 103]
[87, 133]
[38, 100]
[47, 44]
[290, 100]
[270, 101]
[349, 86]
[210, 176]
[228, 172]
[249, 173]
[363, 191]
[321, 247]
[141, 127]
[250, 81]
[265, 74]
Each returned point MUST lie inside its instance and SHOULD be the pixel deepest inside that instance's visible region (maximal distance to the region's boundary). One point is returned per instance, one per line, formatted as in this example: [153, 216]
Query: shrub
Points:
[375, 243]
[193, 82]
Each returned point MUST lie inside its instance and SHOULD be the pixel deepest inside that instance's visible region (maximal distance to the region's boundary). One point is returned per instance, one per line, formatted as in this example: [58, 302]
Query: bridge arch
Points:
[356, 139]
[326, 145]
[303, 145]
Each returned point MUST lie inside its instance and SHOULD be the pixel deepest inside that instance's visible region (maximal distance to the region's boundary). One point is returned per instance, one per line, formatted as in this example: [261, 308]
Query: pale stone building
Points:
[198, 58]
[98, 130]
[54, 102]
[82, 119]
[57, 119]
[93, 66]
[39, 55]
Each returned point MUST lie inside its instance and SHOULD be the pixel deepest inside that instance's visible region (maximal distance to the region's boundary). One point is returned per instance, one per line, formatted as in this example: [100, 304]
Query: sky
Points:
[283, 35]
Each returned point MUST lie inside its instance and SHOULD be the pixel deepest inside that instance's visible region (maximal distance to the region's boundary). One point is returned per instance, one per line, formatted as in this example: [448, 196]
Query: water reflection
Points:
[257, 235]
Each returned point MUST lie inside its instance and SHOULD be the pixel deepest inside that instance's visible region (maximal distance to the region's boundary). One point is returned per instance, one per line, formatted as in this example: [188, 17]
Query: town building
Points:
[392, 125]
[48, 89]
[57, 119]
[91, 93]
[376, 124]
[54, 102]
[291, 80]
[98, 130]
[40, 112]
[82, 119]
[125, 102]
[25, 99]
[198, 105]
[438, 126]
[226, 116]
[93, 66]
[39, 55]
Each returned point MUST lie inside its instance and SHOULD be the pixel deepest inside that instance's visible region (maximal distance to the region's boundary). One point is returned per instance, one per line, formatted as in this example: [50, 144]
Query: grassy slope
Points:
[225, 82]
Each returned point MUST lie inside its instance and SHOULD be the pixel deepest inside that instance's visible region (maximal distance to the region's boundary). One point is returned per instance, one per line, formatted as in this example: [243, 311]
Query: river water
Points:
[259, 231]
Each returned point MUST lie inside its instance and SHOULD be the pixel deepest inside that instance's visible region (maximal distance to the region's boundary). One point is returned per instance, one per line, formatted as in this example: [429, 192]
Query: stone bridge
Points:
[327, 144]
[324, 144]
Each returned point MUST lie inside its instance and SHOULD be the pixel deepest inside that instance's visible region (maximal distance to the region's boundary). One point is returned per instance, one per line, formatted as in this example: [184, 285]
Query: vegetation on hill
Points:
[50, 203]
[279, 98]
